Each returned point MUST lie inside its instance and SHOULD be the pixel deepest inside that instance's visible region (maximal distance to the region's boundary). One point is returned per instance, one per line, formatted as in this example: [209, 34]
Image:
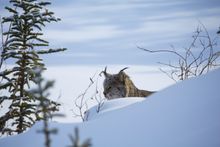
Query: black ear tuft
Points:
[123, 69]
[104, 72]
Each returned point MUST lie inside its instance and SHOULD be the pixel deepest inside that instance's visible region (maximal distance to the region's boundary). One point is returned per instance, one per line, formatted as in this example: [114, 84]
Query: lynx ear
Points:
[121, 71]
[105, 72]
[122, 75]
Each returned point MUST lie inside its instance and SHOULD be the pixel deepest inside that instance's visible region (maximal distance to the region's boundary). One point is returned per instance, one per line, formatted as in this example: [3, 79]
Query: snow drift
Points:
[184, 115]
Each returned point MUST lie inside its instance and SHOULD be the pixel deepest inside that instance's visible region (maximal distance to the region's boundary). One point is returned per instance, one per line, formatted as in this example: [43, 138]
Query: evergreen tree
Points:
[23, 46]
[75, 140]
[46, 106]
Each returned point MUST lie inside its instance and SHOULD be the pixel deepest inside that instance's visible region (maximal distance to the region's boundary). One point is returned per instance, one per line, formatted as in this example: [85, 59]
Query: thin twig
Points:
[159, 51]
[190, 63]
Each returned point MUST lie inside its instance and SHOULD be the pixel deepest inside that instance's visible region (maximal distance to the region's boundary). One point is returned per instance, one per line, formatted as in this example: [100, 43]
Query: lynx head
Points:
[114, 84]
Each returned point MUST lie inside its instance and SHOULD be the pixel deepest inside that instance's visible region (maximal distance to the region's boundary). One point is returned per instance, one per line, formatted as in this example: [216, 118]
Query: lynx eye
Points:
[109, 88]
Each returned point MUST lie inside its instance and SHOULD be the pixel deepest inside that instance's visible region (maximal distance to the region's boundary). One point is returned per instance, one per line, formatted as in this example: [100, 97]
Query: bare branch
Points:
[159, 51]
[191, 62]
[82, 100]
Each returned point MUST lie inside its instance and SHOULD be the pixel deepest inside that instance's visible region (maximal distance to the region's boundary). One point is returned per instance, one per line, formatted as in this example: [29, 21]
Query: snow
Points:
[186, 114]
[71, 81]
[110, 106]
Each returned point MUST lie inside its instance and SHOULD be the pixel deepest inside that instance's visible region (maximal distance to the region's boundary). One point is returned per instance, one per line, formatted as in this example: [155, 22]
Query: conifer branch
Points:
[22, 45]
[51, 51]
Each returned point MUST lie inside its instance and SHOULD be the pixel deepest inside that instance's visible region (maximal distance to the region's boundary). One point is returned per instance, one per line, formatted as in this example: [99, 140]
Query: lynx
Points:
[120, 85]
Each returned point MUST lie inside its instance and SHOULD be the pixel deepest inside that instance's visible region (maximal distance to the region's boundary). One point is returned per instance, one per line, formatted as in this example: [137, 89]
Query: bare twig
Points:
[98, 98]
[191, 63]
[81, 102]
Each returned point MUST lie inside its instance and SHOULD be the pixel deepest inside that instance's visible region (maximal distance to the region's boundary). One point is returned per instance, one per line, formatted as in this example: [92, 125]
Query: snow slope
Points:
[71, 81]
[111, 106]
[184, 115]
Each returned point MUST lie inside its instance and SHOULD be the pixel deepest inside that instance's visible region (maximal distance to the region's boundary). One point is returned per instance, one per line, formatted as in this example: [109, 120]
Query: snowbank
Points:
[184, 115]
[69, 85]
[109, 106]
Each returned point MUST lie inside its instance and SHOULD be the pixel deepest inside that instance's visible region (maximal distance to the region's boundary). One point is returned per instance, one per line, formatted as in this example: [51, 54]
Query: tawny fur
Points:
[120, 85]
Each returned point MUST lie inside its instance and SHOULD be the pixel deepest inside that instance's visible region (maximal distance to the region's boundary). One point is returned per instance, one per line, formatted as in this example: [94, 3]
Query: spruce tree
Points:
[75, 140]
[46, 106]
[23, 45]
